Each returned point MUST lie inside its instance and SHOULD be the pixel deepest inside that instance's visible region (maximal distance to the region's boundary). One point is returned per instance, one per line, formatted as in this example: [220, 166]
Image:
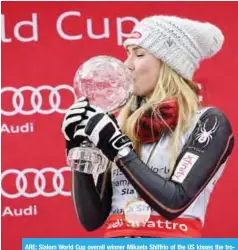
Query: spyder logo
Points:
[203, 135]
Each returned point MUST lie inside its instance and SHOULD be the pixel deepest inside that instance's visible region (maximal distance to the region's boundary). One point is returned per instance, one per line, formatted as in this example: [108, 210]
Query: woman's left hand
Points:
[103, 131]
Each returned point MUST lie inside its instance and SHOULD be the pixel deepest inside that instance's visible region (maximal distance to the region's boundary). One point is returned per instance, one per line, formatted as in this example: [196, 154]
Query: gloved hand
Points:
[71, 120]
[102, 130]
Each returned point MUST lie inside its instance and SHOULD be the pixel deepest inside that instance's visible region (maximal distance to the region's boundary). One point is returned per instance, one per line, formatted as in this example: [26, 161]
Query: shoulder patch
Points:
[205, 131]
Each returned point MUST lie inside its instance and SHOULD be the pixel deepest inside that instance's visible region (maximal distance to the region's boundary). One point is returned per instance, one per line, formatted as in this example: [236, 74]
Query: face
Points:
[144, 69]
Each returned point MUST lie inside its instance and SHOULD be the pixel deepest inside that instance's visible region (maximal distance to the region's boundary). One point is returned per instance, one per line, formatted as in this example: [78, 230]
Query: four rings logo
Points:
[38, 185]
[18, 96]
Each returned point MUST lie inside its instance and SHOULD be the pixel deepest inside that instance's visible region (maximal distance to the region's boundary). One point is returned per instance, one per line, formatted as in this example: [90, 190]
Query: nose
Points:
[129, 65]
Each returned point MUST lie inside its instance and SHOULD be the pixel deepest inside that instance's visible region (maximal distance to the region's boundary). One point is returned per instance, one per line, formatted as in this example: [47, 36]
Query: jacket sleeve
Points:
[206, 150]
[92, 203]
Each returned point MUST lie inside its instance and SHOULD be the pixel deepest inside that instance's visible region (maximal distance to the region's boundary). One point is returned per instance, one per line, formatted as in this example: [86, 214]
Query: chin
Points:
[136, 92]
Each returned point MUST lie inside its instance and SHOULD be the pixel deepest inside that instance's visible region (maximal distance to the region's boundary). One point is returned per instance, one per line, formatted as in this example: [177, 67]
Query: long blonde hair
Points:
[169, 85]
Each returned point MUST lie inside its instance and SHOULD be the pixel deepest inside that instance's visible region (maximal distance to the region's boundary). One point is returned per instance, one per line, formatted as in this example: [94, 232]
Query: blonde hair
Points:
[169, 85]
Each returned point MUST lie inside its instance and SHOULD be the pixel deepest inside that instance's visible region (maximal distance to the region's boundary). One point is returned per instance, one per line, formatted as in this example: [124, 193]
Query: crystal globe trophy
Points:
[106, 83]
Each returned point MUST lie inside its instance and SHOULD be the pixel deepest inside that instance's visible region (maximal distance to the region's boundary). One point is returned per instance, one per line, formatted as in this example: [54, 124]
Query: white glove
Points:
[73, 117]
[103, 131]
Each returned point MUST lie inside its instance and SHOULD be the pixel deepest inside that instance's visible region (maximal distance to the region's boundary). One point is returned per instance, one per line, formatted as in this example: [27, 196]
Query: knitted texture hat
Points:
[180, 43]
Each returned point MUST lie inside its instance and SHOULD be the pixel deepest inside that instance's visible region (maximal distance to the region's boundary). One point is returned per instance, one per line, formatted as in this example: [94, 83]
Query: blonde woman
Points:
[168, 152]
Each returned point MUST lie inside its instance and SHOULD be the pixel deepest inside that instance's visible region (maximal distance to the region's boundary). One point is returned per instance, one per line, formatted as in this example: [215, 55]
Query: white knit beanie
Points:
[180, 43]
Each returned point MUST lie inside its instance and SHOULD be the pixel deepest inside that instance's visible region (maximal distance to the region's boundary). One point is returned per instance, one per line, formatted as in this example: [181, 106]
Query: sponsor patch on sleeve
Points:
[184, 167]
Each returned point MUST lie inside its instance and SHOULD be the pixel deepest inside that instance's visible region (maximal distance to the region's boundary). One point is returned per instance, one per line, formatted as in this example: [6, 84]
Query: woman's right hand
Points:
[73, 117]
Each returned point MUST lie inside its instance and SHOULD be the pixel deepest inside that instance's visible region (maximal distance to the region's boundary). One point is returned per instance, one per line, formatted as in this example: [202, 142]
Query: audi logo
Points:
[39, 182]
[36, 99]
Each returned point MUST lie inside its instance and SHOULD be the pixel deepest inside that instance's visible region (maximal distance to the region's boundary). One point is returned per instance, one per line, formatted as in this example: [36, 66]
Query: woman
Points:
[169, 151]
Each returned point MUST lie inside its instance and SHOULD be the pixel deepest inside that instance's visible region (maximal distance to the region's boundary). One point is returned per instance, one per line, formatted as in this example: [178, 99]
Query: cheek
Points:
[147, 76]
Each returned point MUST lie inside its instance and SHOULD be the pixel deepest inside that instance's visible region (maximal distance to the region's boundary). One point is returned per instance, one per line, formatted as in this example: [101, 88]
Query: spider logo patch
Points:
[203, 135]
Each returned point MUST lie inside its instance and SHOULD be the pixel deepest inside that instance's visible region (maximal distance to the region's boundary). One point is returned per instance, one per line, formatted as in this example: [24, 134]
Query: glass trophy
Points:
[106, 83]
